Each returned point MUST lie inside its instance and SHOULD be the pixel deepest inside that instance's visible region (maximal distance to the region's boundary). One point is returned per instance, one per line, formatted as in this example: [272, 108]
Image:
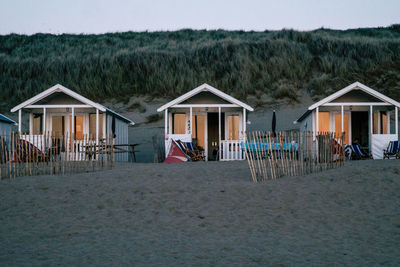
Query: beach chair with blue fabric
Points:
[358, 153]
[393, 150]
[192, 153]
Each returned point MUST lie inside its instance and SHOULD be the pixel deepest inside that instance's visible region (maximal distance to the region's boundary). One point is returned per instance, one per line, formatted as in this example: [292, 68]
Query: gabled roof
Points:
[356, 85]
[353, 86]
[54, 89]
[6, 119]
[59, 88]
[205, 88]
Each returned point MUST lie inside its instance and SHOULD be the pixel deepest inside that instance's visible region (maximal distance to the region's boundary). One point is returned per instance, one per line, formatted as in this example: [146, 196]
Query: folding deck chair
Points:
[192, 153]
[357, 153]
[393, 150]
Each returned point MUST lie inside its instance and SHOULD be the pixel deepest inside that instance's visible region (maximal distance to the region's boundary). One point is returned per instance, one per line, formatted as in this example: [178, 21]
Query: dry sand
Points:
[203, 214]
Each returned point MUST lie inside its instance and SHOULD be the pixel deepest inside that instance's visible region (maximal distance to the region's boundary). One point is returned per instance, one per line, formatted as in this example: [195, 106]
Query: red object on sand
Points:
[175, 154]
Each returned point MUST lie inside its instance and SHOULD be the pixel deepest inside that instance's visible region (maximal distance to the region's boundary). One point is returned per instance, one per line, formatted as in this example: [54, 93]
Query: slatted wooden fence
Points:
[271, 156]
[51, 154]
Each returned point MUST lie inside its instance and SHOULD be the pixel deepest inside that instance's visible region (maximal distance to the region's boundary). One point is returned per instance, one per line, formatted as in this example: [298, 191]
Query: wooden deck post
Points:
[19, 120]
[190, 121]
[317, 121]
[396, 118]
[371, 127]
[72, 129]
[342, 117]
[166, 130]
[244, 132]
[44, 120]
[97, 126]
[219, 133]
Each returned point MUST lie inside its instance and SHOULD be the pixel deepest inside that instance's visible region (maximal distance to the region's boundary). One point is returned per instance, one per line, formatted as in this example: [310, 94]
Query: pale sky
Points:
[101, 16]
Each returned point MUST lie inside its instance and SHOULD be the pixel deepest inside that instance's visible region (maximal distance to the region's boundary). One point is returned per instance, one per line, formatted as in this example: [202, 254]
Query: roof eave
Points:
[350, 87]
[204, 87]
[58, 88]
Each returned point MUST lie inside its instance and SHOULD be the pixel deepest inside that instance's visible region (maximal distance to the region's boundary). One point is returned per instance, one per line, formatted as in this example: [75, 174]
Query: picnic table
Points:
[119, 148]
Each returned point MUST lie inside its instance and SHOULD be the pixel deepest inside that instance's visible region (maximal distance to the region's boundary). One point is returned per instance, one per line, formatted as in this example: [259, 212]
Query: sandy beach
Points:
[203, 214]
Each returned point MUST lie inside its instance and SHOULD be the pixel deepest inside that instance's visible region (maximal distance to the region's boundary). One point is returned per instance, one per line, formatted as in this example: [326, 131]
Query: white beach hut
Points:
[360, 113]
[213, 119]
[60, 111]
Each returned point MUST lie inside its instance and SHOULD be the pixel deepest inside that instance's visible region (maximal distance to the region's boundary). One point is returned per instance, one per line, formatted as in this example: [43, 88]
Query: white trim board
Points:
[205, 88]
[58, 88]
[353, 86]
[366, 104]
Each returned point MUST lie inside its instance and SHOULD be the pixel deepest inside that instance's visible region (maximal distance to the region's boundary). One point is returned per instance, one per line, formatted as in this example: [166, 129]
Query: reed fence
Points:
[52, 154]
[271, 156]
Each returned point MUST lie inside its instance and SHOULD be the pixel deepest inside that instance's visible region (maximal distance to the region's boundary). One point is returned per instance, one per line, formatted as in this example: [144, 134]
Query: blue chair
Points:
[357, 153]
[193, 154]
[393, 150]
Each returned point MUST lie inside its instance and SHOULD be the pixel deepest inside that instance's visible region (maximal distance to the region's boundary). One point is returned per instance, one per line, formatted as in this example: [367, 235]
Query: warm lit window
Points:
[384, 123]
[380, 123]
[37, 123]
[198, 122]
[92, 126]
[179, 123]
[78, 127]
[233, 127]
[338, 126]
[57, 125]
[323, 122]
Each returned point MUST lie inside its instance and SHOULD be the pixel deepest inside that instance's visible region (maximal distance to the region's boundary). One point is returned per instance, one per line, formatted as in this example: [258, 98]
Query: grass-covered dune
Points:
[165, 64]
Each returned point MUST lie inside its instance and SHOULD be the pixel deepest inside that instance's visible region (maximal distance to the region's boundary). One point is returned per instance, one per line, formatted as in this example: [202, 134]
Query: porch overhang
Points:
[205, 88]
[58, 88]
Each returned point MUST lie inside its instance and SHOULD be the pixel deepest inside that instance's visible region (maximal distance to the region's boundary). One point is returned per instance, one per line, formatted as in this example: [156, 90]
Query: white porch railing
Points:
[231, 150]
[36, 139]
[70, 151]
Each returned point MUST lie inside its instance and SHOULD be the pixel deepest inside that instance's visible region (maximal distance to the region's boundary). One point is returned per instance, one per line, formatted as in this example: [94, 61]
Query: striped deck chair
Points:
[393, 150]
[348, 151]
[357, 153]
[191, 153]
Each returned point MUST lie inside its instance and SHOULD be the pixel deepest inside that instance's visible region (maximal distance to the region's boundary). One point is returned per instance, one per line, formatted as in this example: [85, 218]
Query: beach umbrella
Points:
[273, 123]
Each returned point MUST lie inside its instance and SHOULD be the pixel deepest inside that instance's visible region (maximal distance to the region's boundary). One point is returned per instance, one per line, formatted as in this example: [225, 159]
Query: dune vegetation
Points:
[281, 64]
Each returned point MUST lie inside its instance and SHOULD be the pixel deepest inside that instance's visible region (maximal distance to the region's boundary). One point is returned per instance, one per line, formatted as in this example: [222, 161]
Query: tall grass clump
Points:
[167, 64]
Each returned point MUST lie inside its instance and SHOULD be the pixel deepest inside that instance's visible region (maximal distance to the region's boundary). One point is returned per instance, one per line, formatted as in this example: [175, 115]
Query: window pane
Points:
[198, 122]
[37, 123]
[57, 126]
[78, 127]
[179, 123]
[233, 127]
[384, 129]
[323, 122]
[92, 126]
[380, 122]
[338, 126]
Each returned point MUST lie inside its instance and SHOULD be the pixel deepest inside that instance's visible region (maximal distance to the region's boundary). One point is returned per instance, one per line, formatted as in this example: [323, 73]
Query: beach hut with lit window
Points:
[358, 111]
[59, 111]
[210, 118]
